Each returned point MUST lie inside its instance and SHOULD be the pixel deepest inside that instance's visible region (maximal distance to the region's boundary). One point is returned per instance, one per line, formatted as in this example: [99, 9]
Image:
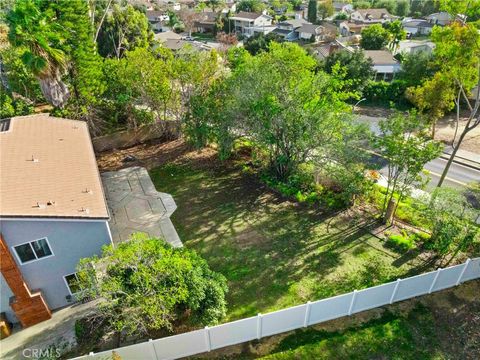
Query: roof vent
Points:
[50, 203]
[33, 159]
[40, 205]
[87, 191]
[84, 210]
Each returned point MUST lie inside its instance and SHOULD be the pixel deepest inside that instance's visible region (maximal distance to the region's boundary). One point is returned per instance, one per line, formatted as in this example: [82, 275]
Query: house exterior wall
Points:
[262, 21]
[69, 241]
[5, 294]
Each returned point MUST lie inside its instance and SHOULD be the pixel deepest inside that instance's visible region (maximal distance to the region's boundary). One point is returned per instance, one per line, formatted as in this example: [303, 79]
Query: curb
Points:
[462, 161]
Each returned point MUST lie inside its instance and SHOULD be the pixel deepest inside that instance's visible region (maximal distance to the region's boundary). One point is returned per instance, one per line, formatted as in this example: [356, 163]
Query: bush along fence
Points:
[236, 332]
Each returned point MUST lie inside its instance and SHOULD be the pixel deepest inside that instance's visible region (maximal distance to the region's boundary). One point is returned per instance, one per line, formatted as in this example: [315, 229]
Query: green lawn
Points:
[392, 336]
[274, 253]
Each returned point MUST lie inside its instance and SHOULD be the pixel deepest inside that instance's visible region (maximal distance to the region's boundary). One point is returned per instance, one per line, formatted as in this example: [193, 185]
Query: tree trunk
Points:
[452, 156]
[390, 212]
[54, 90]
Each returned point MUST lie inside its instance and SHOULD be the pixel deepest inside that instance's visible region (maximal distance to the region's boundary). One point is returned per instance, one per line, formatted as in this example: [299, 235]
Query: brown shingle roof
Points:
[48, 169]
[381, 57]
[247, 15]
[375, 14]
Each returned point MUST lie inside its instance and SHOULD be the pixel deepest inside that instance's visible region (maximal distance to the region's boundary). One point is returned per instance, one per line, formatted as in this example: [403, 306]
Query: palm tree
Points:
[40, 35]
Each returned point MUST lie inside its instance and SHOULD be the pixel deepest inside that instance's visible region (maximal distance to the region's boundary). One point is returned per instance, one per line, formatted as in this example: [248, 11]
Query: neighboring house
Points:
[384, 64]
[53, 212]
[371, 15]
[177, 44]
[249, 23]
[415, 46]
[167, 35]
[158, 20]
[348, 28]
[417, 27]
[322, 51]
[308, 32]
[342, 7]
[440, 18]
[206, 22]
[288, 29]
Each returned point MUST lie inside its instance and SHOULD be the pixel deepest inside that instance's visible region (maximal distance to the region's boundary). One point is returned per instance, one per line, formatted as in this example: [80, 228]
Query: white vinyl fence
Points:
[236, 332]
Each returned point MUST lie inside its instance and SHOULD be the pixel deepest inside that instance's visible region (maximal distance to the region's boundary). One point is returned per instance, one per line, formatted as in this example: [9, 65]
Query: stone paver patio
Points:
[136, 206]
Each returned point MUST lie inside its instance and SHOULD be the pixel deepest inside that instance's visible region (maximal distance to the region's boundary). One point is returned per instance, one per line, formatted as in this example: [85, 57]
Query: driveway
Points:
[136, 206]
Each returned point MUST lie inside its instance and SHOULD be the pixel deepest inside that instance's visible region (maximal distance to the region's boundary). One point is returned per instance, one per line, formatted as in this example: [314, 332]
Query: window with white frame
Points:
[33, 250]
[72, 283]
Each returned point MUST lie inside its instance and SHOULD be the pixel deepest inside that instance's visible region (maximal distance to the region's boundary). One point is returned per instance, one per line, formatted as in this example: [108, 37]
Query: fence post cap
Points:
[399, 279]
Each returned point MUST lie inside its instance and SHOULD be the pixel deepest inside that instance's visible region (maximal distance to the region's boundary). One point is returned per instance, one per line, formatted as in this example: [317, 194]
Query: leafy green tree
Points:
[417, 68]
[42, 36]
[286, 106]
[405, 146]
[237, 56]
[390, 5]
[296, 4]
[149, 75]
[250, 6]
[312, 11]
[397, 33]
[145, 284]
[325, 9]
[195, 74]
[402, 8]
[16, 76]
[374, 37]
[85, 65]
[433, 98]
[453, 221]
[358, 68]
[362, 4]
[215, 4]
[260, 42]
[458, 55]
[421, 8]
[124, 29]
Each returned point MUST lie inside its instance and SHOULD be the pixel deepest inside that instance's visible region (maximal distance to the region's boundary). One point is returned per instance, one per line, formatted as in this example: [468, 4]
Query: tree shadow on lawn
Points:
[274, 253]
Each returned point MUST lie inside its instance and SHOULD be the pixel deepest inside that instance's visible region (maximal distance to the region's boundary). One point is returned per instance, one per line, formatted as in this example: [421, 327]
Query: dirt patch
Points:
[248, 238]
[445, 132]
[152, 154]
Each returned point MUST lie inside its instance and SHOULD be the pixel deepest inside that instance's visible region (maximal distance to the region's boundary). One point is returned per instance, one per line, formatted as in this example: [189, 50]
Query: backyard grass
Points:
[274, 253]
[392, 336]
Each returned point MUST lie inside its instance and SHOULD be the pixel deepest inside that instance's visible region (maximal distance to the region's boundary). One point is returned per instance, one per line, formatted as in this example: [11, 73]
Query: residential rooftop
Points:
[48, 169]
[381, 57]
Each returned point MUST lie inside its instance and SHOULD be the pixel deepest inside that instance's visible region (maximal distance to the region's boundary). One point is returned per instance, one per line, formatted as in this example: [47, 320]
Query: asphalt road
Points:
[458, 176]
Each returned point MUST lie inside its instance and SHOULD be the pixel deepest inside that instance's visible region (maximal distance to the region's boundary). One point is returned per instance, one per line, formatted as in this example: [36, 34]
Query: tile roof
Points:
[48, 169]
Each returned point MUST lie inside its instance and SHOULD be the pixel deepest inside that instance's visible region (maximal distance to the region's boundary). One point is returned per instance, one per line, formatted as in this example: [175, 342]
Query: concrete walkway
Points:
[136, 206]
[58, 331]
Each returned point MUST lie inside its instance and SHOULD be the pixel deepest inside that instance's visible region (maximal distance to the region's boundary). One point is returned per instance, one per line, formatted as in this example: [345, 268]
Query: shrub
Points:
[401, 242]
[384, 93]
